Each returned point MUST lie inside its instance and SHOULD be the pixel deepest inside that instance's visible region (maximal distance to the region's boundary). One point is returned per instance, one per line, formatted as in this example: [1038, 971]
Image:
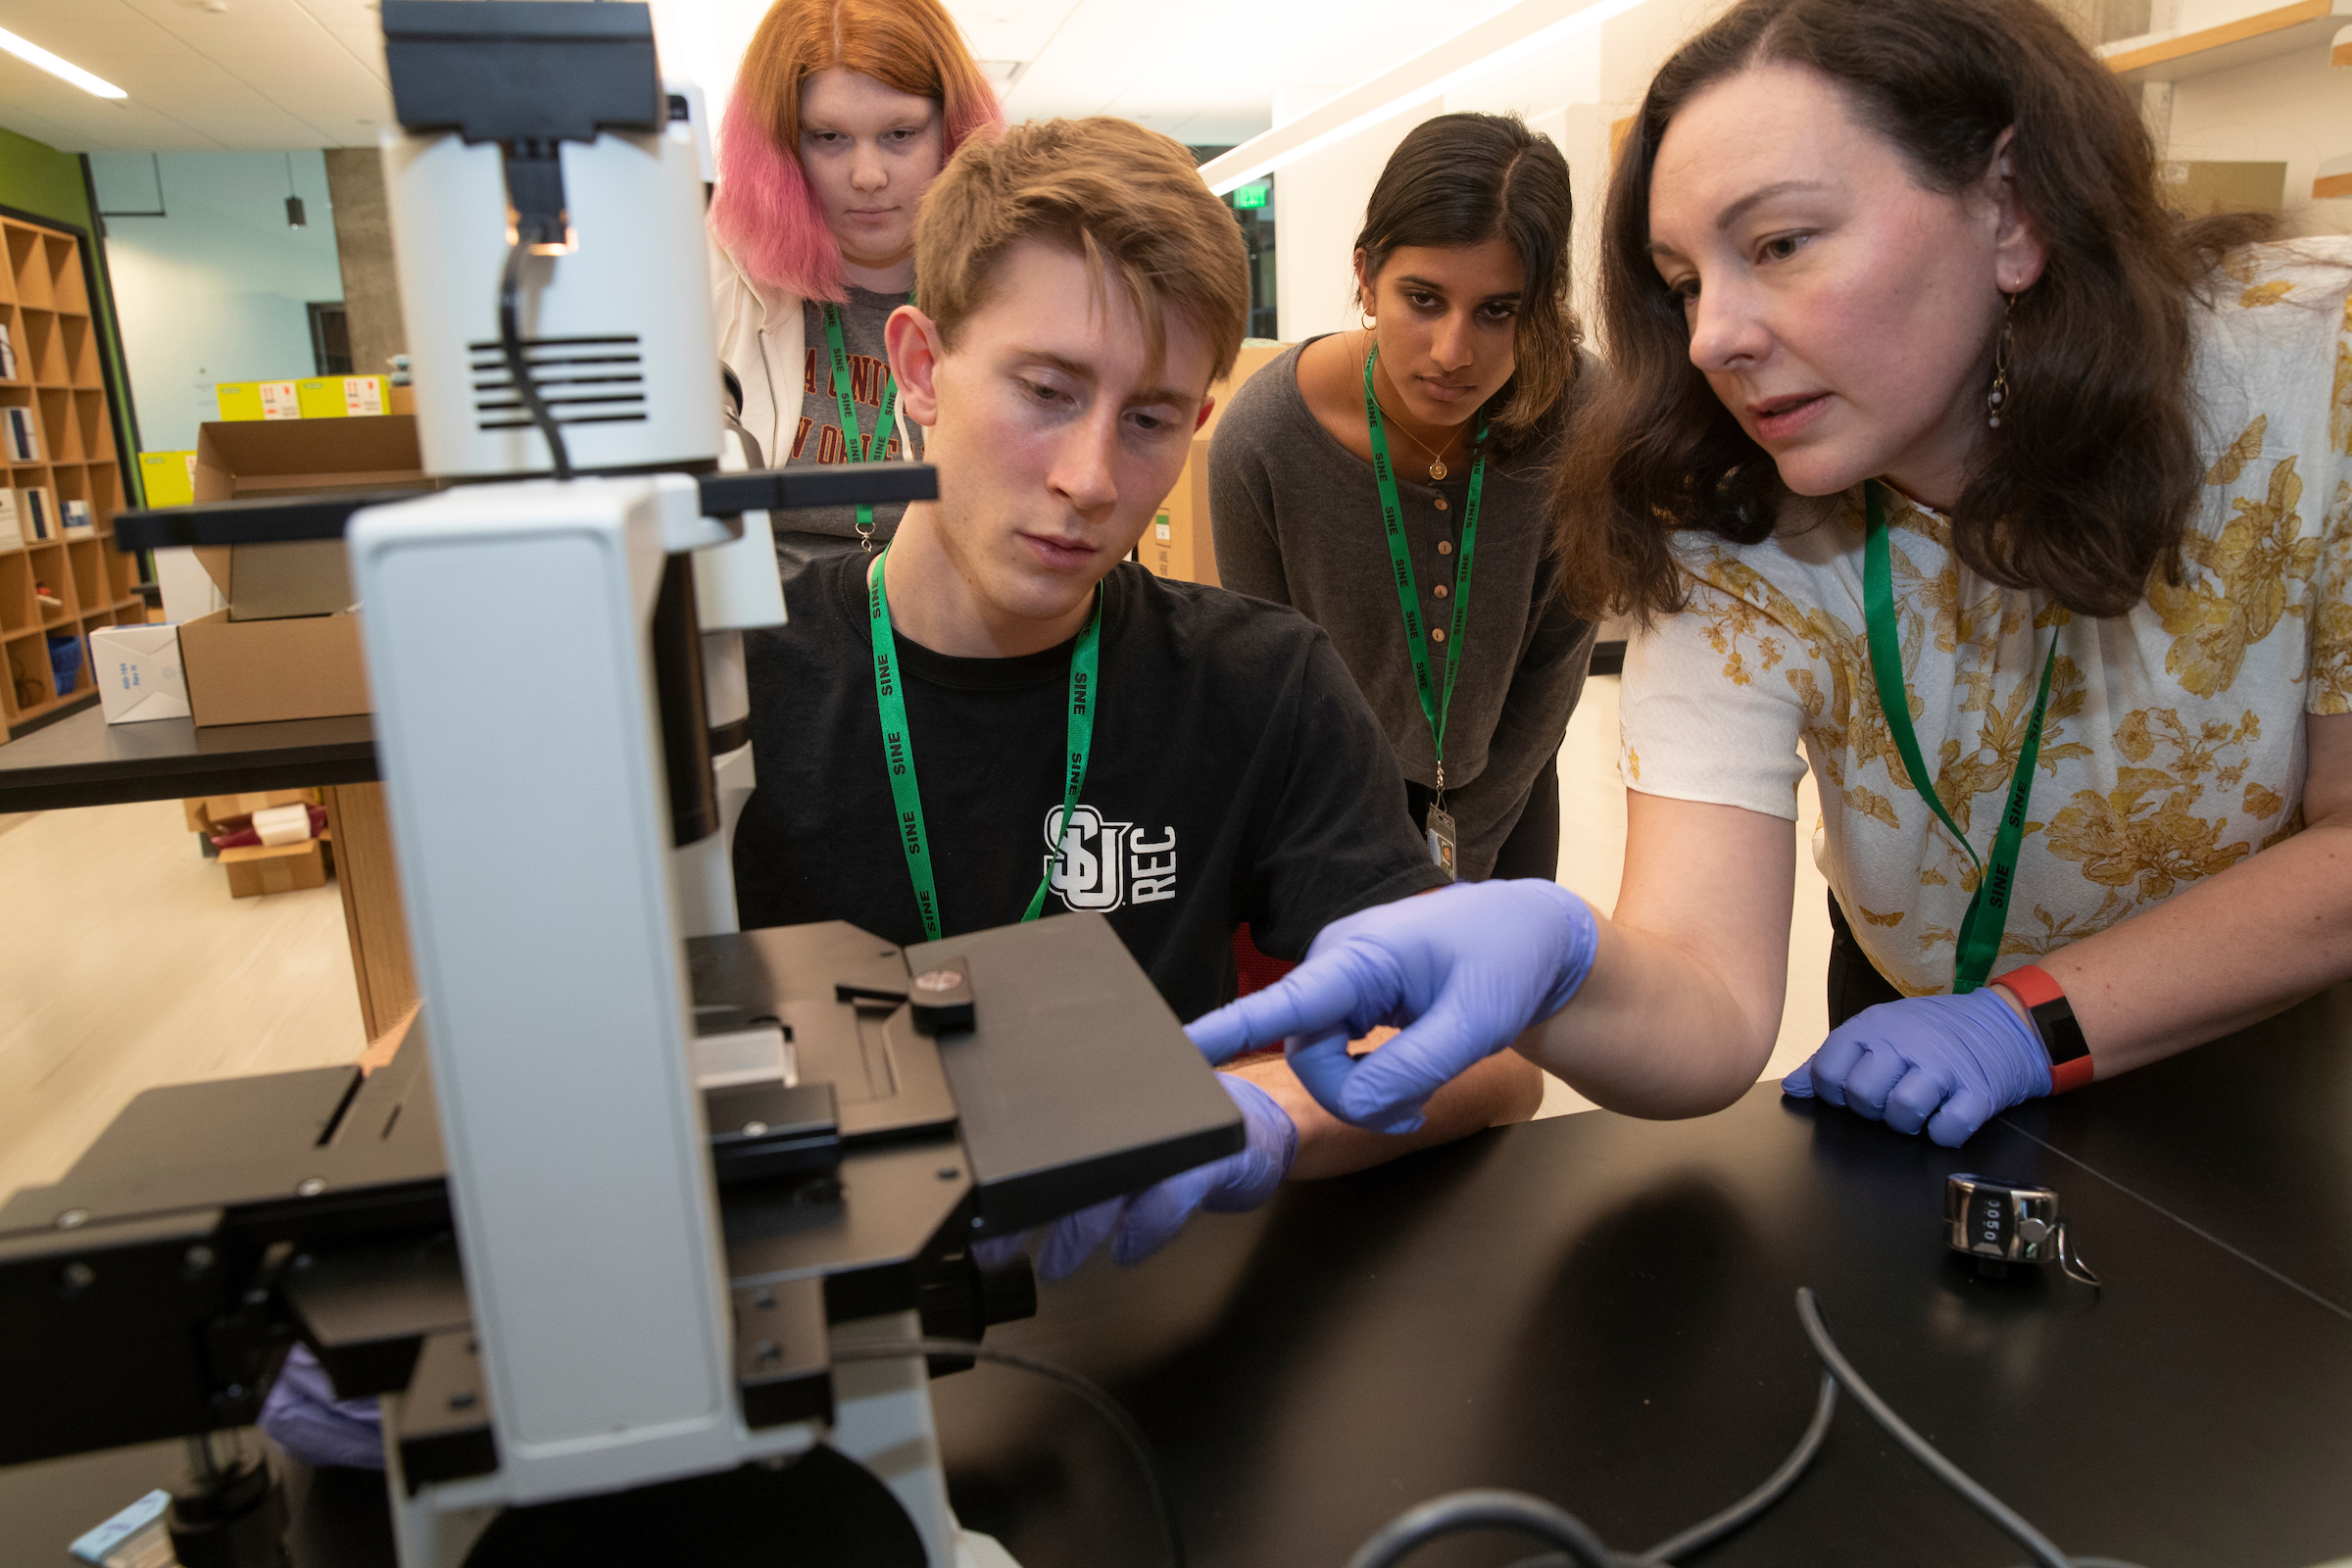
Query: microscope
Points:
[623, 1238]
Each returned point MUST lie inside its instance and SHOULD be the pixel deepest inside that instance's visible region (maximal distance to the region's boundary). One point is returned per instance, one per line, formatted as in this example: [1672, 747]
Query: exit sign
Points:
[1249, 195]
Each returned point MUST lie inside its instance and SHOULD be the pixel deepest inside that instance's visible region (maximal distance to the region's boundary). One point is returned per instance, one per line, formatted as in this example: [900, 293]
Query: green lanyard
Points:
[1989, 911]
[898, 745]
[1434, 703]
[860, 446]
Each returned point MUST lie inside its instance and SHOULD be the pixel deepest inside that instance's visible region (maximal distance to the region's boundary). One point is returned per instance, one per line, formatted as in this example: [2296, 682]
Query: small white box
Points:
[138, 674]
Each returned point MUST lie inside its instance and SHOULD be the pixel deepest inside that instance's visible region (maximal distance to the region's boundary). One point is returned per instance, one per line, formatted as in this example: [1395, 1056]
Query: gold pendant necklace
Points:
[1437, 462]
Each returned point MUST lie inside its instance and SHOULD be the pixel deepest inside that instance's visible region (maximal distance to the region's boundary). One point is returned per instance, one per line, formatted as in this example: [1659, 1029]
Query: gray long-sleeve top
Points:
[1296, 517]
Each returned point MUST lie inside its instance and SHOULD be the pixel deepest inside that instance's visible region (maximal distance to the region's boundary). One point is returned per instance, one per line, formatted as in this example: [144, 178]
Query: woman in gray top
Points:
[1438, 587]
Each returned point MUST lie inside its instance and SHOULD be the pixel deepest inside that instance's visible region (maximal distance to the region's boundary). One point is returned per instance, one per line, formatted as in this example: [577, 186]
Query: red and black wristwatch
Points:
[2054, 1020]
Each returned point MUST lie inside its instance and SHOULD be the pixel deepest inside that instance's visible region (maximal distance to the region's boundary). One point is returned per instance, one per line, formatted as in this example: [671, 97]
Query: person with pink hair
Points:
[843, 114]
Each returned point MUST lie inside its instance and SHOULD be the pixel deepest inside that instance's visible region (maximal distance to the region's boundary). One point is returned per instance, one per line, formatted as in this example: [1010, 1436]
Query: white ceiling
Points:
[263, 74]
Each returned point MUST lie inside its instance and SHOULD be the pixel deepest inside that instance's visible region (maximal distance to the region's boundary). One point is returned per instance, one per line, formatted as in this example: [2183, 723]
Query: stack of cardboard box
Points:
[288, 646]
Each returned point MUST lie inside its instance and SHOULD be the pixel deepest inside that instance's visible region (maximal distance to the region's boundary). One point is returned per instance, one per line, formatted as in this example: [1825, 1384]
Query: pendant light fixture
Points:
[295, 218]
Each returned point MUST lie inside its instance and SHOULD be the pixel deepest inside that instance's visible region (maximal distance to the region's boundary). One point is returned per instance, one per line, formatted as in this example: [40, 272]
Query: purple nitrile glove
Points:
[1142, 1223]
[1461, 972]
[1945, 1063]
[310, 1423]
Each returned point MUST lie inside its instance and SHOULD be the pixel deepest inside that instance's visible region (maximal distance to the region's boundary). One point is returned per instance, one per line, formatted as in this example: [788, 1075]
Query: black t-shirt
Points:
[1236, 775]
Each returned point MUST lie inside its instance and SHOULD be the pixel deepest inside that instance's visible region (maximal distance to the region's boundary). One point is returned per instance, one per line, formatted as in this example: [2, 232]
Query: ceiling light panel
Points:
[58, 66]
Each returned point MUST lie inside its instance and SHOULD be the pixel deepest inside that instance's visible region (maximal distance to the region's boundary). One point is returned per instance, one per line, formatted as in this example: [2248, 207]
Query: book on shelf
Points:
[23, 435]
[12, 533]
[8, 354]
[37, 518]
[76, 514]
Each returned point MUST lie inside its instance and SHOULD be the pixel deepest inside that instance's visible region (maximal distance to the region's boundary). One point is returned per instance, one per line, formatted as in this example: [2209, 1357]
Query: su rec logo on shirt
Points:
[1099, 865]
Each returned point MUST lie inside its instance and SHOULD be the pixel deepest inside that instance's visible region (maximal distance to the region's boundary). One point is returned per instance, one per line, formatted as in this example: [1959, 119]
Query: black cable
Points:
[519, 370]
[1458, 1511]
[2044, 1552]
[1710, 1531]
[1093, 1395]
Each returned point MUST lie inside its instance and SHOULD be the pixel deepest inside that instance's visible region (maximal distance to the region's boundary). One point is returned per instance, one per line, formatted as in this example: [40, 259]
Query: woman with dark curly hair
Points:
[1937, 447]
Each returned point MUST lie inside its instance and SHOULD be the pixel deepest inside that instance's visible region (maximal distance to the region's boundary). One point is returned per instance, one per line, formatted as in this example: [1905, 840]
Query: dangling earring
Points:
[1999, 395]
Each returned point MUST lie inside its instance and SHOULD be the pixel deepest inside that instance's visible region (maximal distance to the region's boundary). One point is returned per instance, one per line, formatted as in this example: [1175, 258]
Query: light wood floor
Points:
[124, 963]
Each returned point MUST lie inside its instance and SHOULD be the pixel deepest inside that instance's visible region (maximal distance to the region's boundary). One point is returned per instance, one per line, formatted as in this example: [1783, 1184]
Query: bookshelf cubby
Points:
[60, 380]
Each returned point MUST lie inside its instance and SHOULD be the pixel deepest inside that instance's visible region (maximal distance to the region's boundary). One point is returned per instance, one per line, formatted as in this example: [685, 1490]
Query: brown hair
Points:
[2086, 486]
[764, 211]
[1129, 200]
[1463, 180]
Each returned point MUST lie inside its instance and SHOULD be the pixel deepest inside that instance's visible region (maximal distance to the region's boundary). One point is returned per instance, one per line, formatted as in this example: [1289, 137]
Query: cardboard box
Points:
[257, 671]
[340, 397]
[319, 397]
[1180, 543]
[263, 582]
[209, 812]
[306, 457]
[168, 478]
[138, 674]
[2199, 188]
[270, 582]
[257, 400]
[288, 646]
[275, 868]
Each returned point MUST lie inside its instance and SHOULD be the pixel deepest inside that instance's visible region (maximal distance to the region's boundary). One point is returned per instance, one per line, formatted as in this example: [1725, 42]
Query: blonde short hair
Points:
[1128, 199]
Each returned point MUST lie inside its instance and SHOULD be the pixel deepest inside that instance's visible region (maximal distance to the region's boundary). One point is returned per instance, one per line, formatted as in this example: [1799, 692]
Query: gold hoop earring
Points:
[1998, 397]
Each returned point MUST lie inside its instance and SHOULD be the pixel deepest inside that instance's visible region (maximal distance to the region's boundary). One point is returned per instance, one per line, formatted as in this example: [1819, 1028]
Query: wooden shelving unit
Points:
[2285, 30]
[44, 301]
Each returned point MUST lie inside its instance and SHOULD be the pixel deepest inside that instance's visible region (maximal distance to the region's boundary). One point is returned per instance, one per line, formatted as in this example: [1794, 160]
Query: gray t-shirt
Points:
[1296, 517]
[805, 537]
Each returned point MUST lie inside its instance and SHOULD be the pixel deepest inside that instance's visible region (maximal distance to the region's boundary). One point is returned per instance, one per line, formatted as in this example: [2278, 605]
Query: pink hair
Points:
[764, 213]
[766, 216]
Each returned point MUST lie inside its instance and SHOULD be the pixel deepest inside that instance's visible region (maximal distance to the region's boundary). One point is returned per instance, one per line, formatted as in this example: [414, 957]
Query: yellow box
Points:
[258, 400]
[337, 397]
[167, 477]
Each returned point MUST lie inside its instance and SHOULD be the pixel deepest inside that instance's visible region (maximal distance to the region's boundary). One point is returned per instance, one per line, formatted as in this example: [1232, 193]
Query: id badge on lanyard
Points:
[1434, 700]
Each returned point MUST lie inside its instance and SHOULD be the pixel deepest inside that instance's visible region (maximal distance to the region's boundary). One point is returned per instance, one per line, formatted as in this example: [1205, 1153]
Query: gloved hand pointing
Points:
[1461, 972]
[1945, 1063]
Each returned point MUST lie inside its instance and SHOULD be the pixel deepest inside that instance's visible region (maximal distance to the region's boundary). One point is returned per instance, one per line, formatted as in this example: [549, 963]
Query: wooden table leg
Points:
[371, 906]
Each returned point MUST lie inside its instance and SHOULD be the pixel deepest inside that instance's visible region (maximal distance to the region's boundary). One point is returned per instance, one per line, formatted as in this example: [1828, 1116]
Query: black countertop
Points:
[83, 761]
[1599, 1310]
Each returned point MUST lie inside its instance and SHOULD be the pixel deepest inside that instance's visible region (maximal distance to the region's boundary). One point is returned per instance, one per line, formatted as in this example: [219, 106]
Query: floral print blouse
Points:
[2174, 743]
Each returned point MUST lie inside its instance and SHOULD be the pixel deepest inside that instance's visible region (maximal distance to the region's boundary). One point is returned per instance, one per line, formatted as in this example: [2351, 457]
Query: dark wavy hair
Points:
[1463, 180]
[2086, 487]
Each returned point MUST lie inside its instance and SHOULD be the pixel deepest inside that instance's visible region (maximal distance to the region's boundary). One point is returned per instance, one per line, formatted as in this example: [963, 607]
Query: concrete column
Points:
[355, 183]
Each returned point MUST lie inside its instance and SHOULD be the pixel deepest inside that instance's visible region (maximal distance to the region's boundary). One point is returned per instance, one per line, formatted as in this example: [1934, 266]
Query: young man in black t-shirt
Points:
[1080, 291]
